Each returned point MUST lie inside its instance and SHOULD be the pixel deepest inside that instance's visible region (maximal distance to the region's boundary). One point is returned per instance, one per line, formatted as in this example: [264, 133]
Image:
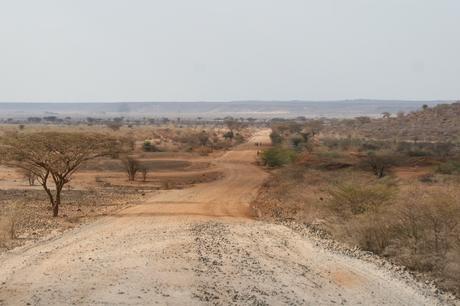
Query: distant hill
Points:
[255, 109]
[438, 123]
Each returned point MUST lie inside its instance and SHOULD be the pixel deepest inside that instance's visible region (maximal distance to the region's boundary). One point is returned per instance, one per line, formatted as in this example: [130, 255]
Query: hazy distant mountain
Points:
[255, 109]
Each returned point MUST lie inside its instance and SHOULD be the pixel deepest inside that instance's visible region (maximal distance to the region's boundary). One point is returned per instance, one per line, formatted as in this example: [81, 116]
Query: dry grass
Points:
[25, 214]
[102, 185]
[413, 222]
[170, 137]
[439, 124]
[6, 230]
[9, 223]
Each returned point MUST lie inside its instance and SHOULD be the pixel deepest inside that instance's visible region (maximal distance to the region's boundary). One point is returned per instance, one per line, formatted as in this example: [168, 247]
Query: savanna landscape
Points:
[389, 186]
[117, 166]
[243, 211]
[262, 153]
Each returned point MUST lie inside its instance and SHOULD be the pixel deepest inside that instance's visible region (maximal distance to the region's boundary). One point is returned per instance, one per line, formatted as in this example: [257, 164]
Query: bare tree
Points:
[144, 172]
[132, 165]
[313, 127]
[229, 135]
[54, 156]
[203, 138]
[114, 125]
[29, 176]
[233, 124]
[379, 163]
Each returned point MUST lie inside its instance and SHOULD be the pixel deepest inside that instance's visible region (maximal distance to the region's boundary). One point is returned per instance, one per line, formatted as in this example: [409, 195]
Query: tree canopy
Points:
[54, 156]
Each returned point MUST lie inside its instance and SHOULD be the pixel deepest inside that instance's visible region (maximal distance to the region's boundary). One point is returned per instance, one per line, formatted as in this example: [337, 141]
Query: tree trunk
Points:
[55, 209]
[50, 195]
[57, 200]
[381, 172]
[132, 174]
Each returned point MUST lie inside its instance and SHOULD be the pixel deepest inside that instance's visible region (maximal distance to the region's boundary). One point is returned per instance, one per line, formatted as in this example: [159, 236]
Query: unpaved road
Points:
[192, 247]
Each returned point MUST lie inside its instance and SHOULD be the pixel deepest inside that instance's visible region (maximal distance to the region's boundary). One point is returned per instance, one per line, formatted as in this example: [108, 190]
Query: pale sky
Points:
[215, 50]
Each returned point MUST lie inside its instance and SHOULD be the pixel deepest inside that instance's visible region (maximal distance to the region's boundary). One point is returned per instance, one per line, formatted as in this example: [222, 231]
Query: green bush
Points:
[277, 157]
[148, 146]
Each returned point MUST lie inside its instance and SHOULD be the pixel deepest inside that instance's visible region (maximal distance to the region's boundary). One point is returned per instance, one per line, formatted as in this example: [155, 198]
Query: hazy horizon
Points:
[245, 101]
[142, 51]
[238, 109]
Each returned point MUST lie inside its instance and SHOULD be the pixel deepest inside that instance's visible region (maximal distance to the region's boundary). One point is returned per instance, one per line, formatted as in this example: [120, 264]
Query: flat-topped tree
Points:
[54, 156]
[233, 124]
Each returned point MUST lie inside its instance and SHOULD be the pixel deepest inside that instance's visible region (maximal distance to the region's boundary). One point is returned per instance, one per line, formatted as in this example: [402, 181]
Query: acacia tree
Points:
[379, 163]
[54, 156]
[233, 124]
[314, 127]
[29, 175]
[132, 165]
[203, 138]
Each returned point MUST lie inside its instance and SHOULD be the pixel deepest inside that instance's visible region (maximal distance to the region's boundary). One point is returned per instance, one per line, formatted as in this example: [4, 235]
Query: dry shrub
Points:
[449, 167]
[370, 231]
[360, 211]
[413, 221]
[380, 162]
[428, 229]
[427, 234]
[8, 224]
[29, 175]
[203, 150]
[420, 230]
[6, 229]
[354, 198]
[278, 156]
[132, 166]
[144, 172]
[166, 185]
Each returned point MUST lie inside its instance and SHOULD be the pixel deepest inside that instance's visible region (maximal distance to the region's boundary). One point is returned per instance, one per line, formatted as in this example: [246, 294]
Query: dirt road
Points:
[191, 247]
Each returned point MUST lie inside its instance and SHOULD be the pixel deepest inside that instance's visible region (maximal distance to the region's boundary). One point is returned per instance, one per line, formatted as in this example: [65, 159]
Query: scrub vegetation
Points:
[398, 197]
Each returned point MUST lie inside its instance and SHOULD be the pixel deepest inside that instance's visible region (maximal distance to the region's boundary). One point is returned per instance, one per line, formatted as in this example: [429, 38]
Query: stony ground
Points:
[198, 246]
[30, 211]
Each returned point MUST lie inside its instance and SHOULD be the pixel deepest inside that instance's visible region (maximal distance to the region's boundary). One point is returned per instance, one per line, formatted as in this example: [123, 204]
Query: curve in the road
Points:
[195, 246]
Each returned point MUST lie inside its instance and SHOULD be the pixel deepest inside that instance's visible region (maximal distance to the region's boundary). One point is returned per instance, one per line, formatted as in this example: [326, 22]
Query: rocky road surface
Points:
[197, 246]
